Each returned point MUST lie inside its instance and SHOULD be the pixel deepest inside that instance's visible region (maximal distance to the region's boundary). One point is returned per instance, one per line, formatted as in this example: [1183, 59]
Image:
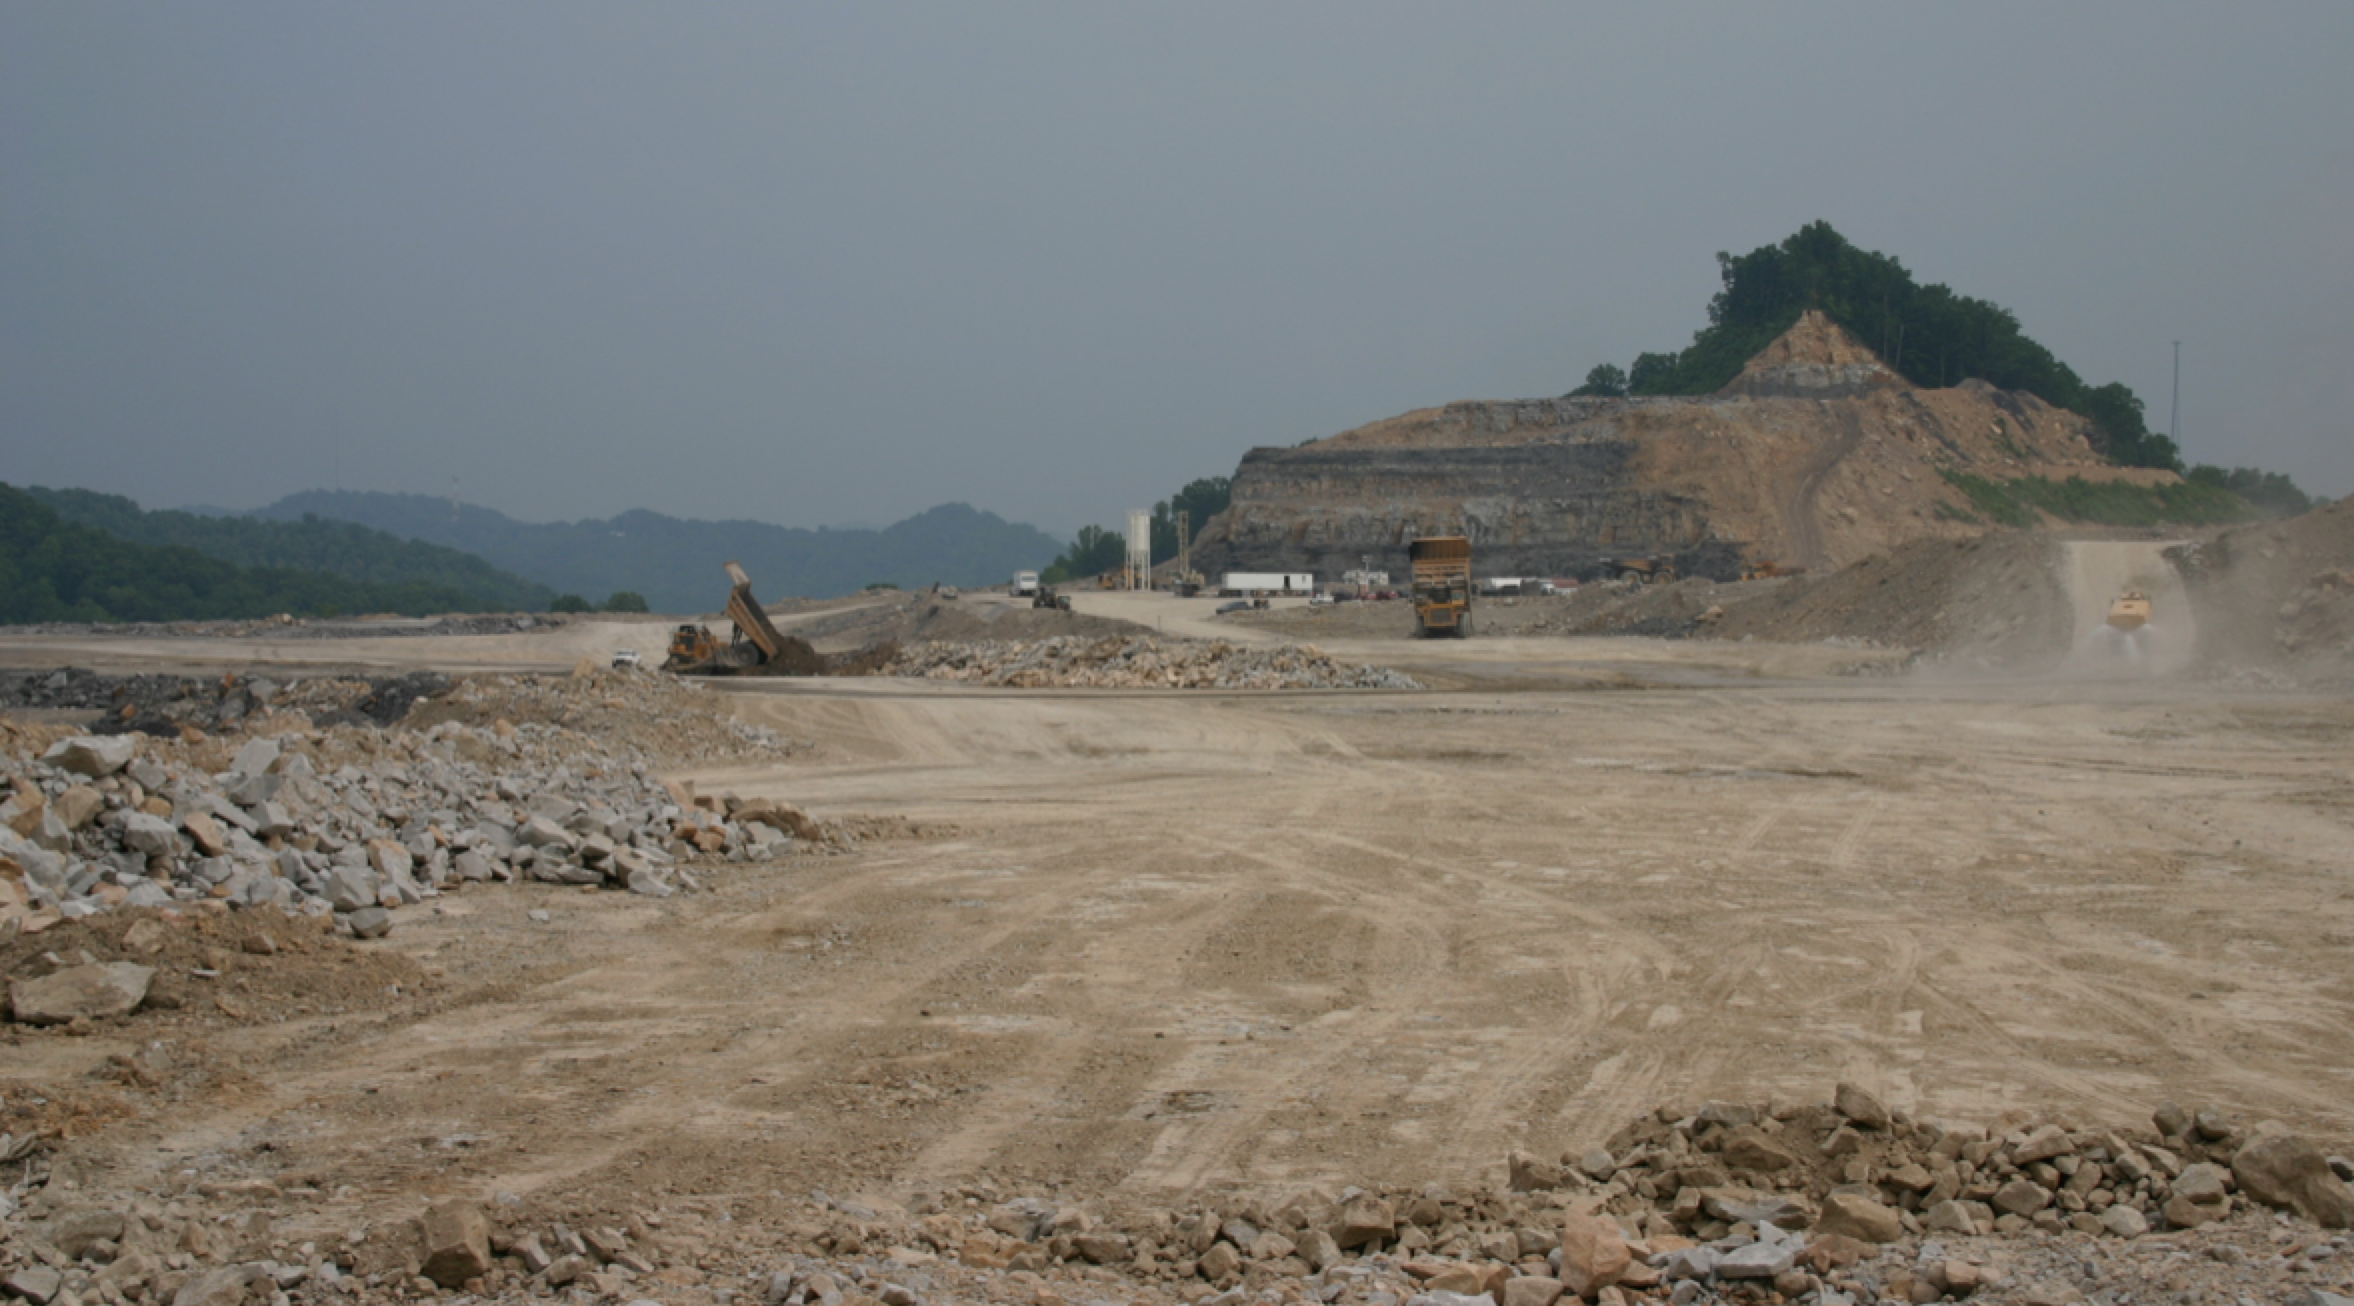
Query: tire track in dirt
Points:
[1184, 1156]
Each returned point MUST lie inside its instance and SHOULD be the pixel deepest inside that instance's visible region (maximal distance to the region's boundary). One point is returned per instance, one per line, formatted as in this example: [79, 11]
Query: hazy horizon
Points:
[821, 265]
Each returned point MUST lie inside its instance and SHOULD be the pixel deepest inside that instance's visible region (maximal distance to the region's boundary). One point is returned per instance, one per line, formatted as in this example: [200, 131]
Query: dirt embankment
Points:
[1996, 602]
[923, 617]
[1817, 456]
[2279, 594]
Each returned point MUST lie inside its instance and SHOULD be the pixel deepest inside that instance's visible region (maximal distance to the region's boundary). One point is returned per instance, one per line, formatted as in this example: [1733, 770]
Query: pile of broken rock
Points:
[1612, 1226]
[1140, 662]
[350, 821]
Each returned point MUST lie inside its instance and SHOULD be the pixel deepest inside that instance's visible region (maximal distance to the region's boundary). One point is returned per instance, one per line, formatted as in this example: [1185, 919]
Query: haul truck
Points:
[1442, 584]
[756, 648]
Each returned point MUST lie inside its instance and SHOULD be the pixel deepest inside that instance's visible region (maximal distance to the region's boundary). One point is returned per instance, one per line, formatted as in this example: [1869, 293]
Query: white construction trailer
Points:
[1245, 583]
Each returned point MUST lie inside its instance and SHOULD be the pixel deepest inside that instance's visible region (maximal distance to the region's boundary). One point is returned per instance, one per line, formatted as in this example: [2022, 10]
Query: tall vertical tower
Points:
[1138, 575]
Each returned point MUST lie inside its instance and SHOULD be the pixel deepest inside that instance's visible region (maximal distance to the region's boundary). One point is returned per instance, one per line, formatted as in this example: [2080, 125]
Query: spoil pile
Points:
[167, 705]
[1140, 662]
[1991, 602]
[2277, 593]
[1819, 1205]
[918, 617]
[351, 820]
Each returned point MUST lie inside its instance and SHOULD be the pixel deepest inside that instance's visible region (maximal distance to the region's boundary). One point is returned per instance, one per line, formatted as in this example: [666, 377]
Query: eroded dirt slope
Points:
[1816, 456]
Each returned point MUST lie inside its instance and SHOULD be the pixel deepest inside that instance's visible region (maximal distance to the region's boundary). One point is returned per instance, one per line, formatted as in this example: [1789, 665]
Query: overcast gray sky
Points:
[840, 263]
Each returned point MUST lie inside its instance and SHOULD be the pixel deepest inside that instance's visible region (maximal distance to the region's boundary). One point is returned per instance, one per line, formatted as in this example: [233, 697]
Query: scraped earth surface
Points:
[1256, 941]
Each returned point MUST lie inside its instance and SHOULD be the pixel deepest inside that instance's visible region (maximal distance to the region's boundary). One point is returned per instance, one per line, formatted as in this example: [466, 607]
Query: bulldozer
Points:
[690, 644]
[756, 648]
[1769, 570]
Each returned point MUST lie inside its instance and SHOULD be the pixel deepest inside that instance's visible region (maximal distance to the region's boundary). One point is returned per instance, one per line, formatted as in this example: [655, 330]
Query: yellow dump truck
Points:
[756, 648]
[1442, 584]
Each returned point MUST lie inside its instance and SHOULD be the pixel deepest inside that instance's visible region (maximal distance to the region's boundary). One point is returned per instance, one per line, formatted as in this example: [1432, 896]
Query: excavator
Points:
[756, 648]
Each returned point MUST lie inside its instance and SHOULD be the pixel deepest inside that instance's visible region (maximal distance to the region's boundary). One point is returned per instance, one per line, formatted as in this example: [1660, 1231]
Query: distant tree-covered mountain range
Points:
[306, 543]
[55, 570]
[77, 555]
[675, 563]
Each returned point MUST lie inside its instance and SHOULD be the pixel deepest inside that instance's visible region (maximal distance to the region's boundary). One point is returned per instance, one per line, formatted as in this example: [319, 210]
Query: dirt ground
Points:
[1147, 944]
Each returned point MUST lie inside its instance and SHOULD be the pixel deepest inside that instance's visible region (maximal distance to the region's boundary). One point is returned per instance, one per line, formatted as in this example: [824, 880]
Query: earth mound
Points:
[1818, 455]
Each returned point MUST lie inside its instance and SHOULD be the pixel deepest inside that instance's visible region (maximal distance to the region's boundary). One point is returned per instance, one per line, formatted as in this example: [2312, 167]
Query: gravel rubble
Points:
[1676, 1209]
[1140, 662]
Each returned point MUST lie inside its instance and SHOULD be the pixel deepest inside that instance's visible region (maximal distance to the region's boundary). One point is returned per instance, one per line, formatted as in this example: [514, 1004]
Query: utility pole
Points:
[2174, 418]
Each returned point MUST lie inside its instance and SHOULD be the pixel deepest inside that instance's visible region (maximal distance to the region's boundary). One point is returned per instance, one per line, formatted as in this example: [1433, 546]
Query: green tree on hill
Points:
[1093, 553]
[311, 543]
[53, 570]
[1931, 335]
[1199, 501]
[1607, 380]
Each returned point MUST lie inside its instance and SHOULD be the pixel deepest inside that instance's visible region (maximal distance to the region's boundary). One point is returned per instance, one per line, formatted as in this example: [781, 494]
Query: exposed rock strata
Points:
[1816, 455]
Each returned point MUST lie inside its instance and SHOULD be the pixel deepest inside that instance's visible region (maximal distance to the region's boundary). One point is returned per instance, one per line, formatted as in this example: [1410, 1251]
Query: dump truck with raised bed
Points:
[756, 648]
[1442, 584]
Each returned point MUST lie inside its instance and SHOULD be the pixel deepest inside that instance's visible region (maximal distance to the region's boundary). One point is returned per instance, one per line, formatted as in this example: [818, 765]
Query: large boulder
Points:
[1861, 1108]
[2280, 1169]
[1593, 1253]
[150, 835]
[457, 1243]
[1362, 1220]
[92, 755]
[1528, 1172]
[1860, 1218]
[79, 806]
[93, 992]
[350, 888]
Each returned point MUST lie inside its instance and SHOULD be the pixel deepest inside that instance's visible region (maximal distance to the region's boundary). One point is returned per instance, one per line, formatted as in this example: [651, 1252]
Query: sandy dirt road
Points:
[1150, 943]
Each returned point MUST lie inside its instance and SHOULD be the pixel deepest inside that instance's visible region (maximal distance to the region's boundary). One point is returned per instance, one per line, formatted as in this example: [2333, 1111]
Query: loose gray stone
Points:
[2203, 1182]
[1759, 1260]
[95, 992]
[92, 755]
[1867, 1111]
[256, 758]
[2124, 1222]
[370, 923]
[144, 832]
[34, 1283]
[351, 888]
[226, 1286]
[457, 1242]
[2280, 1169]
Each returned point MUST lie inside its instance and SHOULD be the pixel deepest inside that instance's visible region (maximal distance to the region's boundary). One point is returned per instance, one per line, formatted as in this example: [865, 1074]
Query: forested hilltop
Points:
[54, 570]
[306, 543]
[1930, 334]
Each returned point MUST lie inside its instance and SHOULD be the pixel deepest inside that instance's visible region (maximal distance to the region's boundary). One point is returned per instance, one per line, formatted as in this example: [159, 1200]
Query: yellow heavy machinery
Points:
[690, 644]
[1442, 584]
[2130, 612]
[1658, 569]
[1768, 570]
[756, 648]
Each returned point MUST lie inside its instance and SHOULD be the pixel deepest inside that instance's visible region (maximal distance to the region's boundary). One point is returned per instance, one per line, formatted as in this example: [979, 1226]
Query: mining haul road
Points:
[1147, 943]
